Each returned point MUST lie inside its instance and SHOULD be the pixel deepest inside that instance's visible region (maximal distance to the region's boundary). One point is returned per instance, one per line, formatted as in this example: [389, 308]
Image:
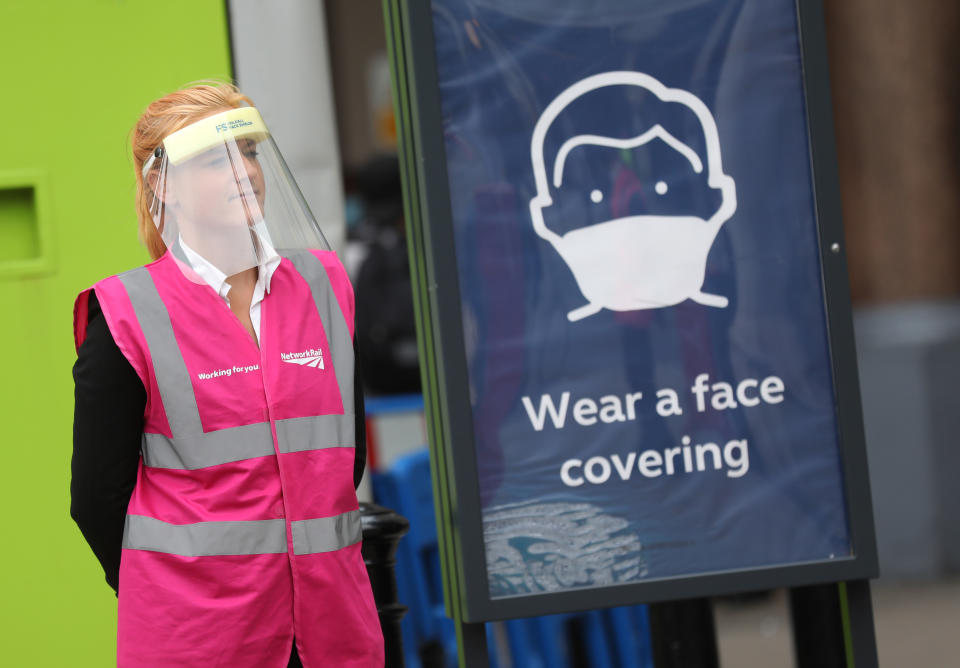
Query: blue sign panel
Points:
[641, 293]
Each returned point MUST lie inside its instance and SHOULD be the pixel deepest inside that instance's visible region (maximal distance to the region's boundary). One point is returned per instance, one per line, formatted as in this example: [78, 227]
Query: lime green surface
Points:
[26, 229]
[76, 75]
[19, 238]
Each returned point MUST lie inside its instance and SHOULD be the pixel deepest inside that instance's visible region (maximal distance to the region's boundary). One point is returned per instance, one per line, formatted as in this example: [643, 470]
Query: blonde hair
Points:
[160, 119]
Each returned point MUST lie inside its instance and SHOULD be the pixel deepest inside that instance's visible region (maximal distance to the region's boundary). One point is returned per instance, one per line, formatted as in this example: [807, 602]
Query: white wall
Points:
[281, 58]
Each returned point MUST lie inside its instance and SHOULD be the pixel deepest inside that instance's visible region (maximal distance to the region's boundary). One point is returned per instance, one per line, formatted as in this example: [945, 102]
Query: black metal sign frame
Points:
[442, 346]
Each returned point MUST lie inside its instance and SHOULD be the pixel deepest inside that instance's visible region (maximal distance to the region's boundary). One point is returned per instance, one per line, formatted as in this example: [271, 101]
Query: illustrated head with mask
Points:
[630, 191]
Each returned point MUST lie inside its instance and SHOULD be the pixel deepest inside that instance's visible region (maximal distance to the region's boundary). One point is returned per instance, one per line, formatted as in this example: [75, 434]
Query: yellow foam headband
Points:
[211, 131]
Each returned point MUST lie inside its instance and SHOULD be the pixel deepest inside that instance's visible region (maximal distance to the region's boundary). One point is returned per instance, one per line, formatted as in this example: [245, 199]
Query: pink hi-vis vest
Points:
[243, 530]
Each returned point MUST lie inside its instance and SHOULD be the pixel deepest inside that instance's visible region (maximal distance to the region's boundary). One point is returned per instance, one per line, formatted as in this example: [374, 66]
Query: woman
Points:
[216, 450]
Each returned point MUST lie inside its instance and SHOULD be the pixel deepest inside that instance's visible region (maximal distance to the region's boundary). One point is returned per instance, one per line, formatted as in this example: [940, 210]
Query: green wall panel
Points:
[76, 74]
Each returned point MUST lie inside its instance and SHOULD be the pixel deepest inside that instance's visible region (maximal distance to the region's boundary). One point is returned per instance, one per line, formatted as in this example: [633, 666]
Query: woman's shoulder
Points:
[108, 302]
[119, 277]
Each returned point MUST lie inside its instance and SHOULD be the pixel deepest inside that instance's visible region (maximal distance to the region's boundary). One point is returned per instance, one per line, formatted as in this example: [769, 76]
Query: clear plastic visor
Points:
[219, 189]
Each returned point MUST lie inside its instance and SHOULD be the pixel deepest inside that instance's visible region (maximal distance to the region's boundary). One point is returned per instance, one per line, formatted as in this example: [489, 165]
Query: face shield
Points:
[220, 189]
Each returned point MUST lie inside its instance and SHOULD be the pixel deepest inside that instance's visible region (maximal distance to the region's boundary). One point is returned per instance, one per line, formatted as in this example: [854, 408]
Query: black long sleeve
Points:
[360, 424]
[109, 403]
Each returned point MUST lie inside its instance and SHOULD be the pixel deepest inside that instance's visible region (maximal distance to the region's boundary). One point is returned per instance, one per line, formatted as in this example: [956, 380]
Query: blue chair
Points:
[617, 637]
[407, 489]
[407, 591]
[630, 636]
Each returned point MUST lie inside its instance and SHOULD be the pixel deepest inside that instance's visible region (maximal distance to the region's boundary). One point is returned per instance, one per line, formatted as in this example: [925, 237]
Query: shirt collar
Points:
[217, 280]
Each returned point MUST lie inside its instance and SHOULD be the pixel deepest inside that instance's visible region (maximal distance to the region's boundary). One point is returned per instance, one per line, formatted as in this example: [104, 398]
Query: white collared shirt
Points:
[217, 280]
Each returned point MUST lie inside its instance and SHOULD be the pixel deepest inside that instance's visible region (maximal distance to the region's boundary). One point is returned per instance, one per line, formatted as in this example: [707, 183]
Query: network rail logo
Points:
[312, 357]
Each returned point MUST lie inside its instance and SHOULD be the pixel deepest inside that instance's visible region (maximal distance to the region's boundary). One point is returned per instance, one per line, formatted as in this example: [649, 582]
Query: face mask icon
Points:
[630, 262]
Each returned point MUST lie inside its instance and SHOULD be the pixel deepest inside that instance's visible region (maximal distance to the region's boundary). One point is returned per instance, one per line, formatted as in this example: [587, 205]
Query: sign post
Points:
[632, 301]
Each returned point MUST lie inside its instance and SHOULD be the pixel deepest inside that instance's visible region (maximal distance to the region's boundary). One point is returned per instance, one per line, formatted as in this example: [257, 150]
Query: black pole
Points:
[817, 627]
[833, 625]
[863, 639]
[472, 645]
[382, 530]
[683, 634]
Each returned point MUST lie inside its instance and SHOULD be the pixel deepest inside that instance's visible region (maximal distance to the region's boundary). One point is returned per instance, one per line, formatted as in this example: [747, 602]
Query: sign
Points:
[627, 214]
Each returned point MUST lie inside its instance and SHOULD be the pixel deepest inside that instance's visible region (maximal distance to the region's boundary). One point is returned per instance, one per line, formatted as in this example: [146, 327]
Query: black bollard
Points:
[817, 627]
[819, 635]
[382, 530]
[683, 634]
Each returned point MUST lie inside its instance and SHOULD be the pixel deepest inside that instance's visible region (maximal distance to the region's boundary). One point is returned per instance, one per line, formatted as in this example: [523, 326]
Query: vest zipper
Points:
[276, 449]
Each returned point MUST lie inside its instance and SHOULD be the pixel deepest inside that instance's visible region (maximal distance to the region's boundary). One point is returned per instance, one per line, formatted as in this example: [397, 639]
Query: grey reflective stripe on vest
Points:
[173, 379]
[334, 323]
[191, 447]
[198, 451]
[249, 441]
[326, 534]
[205, 538]
[314, 433]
